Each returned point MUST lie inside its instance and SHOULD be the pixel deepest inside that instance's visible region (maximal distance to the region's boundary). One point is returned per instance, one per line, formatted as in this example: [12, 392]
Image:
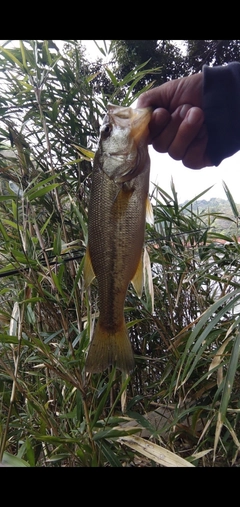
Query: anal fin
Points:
[137, 280]
[88, 272]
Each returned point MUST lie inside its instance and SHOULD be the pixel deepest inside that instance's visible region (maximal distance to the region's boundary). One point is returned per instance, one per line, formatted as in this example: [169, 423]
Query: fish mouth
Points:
[137, 119]
[127, 159]
[139, 123]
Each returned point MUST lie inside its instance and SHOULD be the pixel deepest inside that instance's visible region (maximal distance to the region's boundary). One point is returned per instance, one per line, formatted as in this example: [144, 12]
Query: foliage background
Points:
[182, 400]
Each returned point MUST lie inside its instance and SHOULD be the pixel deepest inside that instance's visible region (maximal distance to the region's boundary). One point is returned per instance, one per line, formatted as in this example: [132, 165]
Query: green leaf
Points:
[77, 278]
[112, 77]
[4, 198]
[192, 354]
[13, 461]
[231, 200]
[14, 225]
[57, 243]
[4, 232]
[32, 195]
[89, 154]
[109, 454]
[56, 439]
[46, 54]
[102, 401]
[112, 433]
[187, 205]
[148, 282]
[23, 54]
[57, 281]
[229, 378]
[46, 224]
[27, 449]
[6, 338]
[227, 390]
[55, 111]
[11, 57]
[100, 49]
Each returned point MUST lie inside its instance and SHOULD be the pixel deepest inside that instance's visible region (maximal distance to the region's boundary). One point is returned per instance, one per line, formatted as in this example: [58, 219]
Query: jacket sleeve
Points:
[221, 105]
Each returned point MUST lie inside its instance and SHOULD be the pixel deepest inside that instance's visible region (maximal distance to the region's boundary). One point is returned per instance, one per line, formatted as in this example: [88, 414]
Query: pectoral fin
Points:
[88, 272]
[137, 280]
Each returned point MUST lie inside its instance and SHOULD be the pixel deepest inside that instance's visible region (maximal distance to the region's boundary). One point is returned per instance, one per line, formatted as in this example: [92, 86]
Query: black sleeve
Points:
[221, 105]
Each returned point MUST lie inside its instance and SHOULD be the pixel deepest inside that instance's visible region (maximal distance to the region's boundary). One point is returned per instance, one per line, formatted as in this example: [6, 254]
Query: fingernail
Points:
[195, 116]
[183, 111]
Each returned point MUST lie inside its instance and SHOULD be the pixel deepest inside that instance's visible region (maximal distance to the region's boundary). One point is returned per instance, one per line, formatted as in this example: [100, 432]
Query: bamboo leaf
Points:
[89, 154]
[110, 455]
[56, 279]
[229, 378]
[11, 57]
[13, 461]
[218, 357]
[103, 399]
[23, 54]
[46, 54]
[190, 355]
[6, 338]
[57, 243]
[112, 77]
[195, 198]
[4, 232]
[4, 198]
[148, 282]
[154, 452]
[114, 433]
[12, 224]
[100, 49]
[231, 200]
[32, 195]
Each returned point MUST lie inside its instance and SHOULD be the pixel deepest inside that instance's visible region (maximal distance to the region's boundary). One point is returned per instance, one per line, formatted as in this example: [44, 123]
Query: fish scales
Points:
[116, 229]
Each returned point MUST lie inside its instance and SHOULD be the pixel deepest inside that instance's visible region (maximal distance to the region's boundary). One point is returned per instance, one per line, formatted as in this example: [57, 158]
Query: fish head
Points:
[123, 142]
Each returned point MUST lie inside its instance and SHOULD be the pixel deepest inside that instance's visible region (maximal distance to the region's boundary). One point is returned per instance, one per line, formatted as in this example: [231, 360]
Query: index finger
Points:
[153, 98]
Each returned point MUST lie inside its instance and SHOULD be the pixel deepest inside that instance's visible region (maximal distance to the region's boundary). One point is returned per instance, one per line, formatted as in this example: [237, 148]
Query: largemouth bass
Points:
[116, 228]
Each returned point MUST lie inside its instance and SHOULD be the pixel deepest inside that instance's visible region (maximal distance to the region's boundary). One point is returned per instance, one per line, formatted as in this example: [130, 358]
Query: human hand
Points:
[177, 123]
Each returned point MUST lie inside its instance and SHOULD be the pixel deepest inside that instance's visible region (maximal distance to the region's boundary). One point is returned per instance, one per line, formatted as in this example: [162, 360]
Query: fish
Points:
[118, 206]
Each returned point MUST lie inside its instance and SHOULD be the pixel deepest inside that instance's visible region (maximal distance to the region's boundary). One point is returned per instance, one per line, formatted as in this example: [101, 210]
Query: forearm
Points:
[221, 105]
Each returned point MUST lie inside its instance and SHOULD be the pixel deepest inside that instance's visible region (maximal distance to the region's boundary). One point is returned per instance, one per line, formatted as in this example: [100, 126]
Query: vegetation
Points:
[180, 406]
[221, 210]
[172, 58]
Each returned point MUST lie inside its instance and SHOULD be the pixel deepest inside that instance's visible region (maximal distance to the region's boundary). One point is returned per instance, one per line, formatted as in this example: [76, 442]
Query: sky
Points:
[188, 182]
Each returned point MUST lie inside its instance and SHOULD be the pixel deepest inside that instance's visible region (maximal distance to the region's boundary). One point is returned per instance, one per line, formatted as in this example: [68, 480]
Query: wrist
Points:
[221, 105]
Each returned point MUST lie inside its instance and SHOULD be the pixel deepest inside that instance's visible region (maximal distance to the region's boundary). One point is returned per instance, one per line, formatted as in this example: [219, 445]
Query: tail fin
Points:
[110, 349]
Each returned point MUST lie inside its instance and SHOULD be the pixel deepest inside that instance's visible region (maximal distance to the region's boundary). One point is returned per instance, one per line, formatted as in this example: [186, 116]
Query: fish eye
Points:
[106, 130]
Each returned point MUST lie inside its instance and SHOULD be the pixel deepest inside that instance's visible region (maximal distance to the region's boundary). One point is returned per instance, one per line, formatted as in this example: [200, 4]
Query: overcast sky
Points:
[188, 182]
